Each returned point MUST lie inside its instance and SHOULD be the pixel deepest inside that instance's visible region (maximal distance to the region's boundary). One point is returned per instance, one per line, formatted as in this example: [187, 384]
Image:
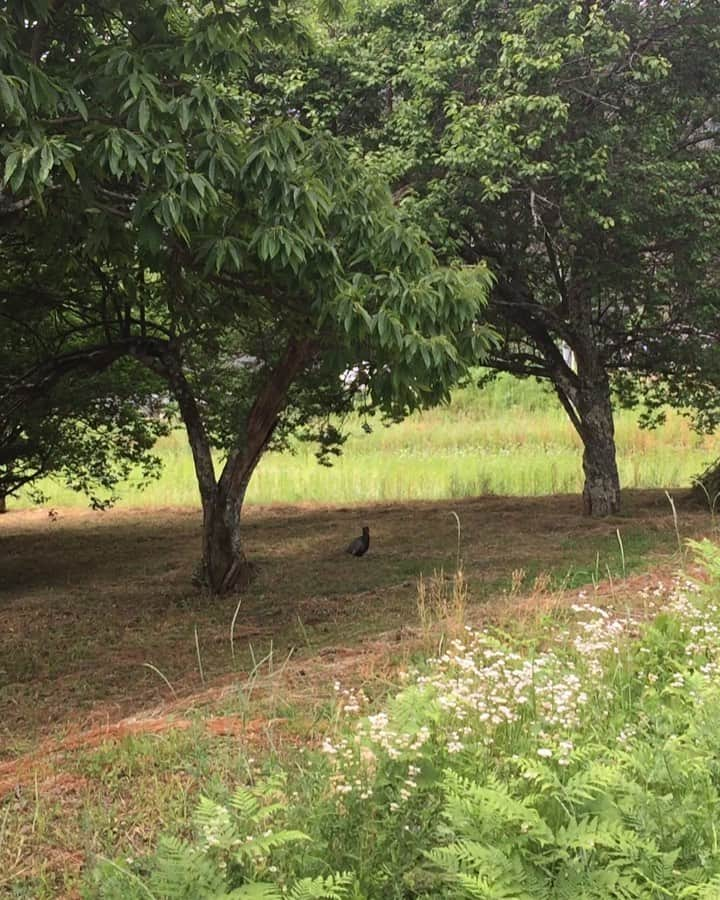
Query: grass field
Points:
[573, 760]
[512, 438]
[122, 697]
[98, 754]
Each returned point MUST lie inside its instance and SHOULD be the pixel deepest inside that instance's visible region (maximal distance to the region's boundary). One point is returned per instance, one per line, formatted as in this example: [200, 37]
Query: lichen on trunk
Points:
[601, 491]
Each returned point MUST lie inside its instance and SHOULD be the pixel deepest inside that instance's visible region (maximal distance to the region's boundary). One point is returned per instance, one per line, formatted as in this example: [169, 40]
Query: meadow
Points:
[509, 438]
[502, 699]
[126, 694]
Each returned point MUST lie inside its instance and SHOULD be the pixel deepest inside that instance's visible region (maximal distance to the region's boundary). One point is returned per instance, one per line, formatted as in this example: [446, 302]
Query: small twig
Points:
[36, 811]
[158, 672]
[675, 521]
[594, 98]
[197, 648]
[302, 628]
[287, 660]
[232, 629]
[537, 221]
[610, 580]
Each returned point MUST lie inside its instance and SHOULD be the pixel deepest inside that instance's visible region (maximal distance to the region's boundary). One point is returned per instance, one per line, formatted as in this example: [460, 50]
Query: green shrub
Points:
[230, 858]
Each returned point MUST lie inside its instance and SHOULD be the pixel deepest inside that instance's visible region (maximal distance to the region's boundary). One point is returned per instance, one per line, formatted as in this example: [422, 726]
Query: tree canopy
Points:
[574, 146]
[157, 220]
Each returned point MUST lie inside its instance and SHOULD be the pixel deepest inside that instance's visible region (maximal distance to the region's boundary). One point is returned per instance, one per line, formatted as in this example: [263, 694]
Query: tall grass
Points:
[510, 438]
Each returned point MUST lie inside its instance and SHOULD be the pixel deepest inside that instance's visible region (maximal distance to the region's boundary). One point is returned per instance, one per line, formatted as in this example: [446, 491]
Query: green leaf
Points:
[184, 114]
[11, 164]
[46, 162]
[143, 116]
[7, 94]
[79, 103]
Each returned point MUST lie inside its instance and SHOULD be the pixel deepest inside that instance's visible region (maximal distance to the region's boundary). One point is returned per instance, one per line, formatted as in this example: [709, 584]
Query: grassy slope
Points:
[87, 599]
[511, 438]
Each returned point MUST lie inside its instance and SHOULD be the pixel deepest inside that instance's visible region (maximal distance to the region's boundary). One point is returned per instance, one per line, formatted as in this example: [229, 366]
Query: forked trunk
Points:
[225, 566]
[581, 383]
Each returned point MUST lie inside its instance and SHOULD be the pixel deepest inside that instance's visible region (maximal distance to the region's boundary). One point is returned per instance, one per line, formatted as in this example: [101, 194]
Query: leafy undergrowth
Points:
[581, 763]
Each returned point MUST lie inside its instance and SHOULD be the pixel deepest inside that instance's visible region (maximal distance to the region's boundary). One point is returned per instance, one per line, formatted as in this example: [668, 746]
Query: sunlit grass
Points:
[510, 438]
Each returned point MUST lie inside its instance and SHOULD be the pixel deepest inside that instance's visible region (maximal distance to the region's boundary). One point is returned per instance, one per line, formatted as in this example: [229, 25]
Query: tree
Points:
[88, 420]
[241, 259]
[91, 434]
[571, 144]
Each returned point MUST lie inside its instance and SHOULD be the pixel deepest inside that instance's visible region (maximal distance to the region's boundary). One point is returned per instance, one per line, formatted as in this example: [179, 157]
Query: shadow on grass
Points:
[87, 600]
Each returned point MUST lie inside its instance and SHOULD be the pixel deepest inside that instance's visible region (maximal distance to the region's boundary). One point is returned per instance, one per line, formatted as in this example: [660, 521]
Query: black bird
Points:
[359, 546]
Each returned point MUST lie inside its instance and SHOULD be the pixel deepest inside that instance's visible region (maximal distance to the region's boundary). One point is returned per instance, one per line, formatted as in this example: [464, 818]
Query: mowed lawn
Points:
[94, 606]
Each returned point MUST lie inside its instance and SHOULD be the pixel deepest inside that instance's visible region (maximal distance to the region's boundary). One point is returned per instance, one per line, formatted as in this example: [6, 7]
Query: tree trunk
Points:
[706, 487]
[581, 383]
[601, 492]
[225, 566]
[589, 407]
[3, 503]
[224, 561]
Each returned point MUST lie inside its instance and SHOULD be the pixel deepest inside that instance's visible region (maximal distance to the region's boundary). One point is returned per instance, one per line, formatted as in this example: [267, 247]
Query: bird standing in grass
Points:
[360, 545]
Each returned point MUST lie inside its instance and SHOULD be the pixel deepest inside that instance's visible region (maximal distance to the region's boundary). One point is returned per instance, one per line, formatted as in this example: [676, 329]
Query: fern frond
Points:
[482, 867]
[479, 812]
[245, 802]
[216, 825]
[335, 887]
[181, 871]
[258, 890]
[263, 845]
[480, 887]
